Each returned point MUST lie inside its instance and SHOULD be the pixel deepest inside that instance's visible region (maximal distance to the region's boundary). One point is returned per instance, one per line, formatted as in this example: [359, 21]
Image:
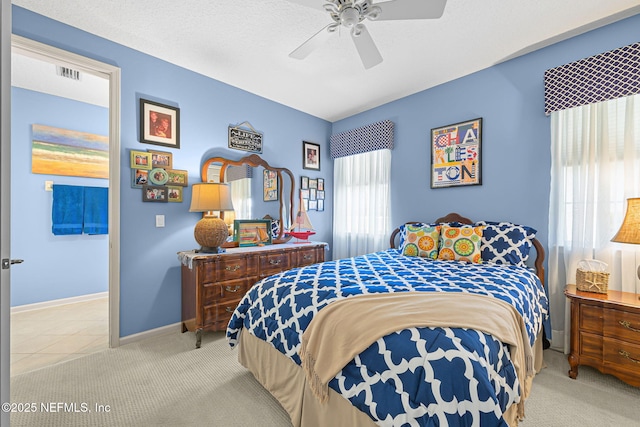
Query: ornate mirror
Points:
[261, 203]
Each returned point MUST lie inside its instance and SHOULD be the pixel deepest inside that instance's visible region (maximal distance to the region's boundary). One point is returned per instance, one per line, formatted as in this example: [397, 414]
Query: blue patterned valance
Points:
[602, 77]
[375, 136]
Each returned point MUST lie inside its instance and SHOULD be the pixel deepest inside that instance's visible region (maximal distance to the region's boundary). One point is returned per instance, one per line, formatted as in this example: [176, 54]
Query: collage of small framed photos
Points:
[312, 193]
[153, 172]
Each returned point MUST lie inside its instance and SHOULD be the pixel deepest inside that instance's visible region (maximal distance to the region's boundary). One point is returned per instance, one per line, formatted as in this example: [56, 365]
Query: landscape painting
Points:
[57, 151]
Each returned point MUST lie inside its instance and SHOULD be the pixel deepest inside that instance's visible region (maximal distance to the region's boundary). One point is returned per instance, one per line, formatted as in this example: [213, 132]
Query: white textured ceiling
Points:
[246, 43]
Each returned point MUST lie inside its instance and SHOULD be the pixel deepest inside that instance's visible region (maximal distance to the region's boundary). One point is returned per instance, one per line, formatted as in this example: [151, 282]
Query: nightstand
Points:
[605, 333]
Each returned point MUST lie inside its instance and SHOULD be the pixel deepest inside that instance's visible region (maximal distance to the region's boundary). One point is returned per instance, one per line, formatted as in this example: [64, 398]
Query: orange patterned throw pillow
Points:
[460, 243]
[421, 241]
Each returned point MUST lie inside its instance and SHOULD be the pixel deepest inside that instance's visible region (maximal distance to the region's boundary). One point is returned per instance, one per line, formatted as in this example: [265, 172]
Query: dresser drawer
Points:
[219, 313]
[622, 325]
[229, 290]
[307, 257]
[623, 357]
[273, 263]
[591, 318]
[236, 267]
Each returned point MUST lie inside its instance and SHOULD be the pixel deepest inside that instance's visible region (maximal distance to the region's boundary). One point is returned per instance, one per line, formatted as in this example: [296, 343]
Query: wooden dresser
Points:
[605, 333]
[214, 284]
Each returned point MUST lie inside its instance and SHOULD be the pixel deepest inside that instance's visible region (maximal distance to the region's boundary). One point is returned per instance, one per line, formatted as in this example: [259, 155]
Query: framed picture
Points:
[456, 154]
[178, 177]
[313, 194]
[269, 185]
[313, 184]
[141, 160]
[139, 177]
[304, 194]
[161, 159]
[313, 205]
[320, 195]
[159, 124]
[320, 184]
[304, 182]
[174, 193]
[255, 232]
[321, 204]
[310, 156]
[154, 193]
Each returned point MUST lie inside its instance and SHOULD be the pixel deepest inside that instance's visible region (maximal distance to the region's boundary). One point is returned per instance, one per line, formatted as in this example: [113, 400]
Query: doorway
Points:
[75, 66]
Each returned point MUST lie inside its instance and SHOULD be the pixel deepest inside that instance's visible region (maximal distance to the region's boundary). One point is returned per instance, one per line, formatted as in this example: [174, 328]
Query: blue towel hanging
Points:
[68, 209]
[96, 210]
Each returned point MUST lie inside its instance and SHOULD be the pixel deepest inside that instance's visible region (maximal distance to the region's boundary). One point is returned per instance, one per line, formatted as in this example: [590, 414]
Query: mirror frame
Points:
[254, 160]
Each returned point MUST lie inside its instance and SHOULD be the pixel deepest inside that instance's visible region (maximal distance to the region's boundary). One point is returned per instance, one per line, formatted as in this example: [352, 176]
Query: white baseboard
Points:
[163, 330]
[58, 302]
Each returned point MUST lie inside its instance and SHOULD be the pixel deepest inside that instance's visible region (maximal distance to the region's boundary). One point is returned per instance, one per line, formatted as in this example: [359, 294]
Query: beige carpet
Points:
[165, 381]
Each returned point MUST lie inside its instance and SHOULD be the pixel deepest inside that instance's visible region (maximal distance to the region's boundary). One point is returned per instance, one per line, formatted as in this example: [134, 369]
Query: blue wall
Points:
[55, 266]
[516, 135]
[149, 268]
[508, 96]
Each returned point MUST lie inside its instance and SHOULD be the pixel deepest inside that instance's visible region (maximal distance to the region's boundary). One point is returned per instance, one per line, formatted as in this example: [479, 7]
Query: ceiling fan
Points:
[351, 14]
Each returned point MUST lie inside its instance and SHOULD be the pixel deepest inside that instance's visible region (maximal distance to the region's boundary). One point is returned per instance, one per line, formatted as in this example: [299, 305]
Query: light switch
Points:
[159, 220]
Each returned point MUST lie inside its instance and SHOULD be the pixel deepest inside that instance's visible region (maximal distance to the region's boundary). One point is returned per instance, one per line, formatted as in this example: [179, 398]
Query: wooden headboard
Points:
[454, 217]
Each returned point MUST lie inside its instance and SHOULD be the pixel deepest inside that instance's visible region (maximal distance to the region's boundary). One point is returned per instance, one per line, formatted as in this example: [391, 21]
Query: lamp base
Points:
[210, 232]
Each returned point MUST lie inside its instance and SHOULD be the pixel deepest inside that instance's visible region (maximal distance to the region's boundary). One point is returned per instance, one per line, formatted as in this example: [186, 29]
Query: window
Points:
[362, 203]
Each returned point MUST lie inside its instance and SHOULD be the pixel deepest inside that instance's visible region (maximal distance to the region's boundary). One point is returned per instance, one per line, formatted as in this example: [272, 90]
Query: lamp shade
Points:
[630, 229]
[210, 232]
[210, 196]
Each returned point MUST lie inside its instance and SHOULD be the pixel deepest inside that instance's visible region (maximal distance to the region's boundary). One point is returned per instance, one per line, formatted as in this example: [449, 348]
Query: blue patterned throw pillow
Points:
[506, 243]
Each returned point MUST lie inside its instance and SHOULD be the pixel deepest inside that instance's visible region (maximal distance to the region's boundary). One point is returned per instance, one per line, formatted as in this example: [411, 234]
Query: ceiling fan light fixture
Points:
[357, 30]
[350, 17]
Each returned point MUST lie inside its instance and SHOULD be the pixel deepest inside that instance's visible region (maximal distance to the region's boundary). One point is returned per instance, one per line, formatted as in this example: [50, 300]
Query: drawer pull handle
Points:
[234, 268]
[229, 310]
[628, 356]
[275, 261]
[628, 325]
[236, 288]
[306, 257]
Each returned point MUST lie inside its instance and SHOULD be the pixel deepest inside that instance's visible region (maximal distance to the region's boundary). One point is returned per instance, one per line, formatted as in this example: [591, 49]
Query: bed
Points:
[443, 328]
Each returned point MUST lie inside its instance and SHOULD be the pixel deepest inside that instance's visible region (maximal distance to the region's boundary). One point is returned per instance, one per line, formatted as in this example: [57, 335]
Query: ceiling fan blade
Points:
[315, 4]
[369, 53]
[410, 9]
[312, 44]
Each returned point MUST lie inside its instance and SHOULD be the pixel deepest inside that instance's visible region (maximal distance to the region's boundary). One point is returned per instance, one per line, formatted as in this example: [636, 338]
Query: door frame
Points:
[5, 208]
[28, 47]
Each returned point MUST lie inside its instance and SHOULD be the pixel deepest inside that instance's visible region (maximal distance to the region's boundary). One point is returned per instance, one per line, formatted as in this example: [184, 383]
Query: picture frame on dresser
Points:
[254, 232]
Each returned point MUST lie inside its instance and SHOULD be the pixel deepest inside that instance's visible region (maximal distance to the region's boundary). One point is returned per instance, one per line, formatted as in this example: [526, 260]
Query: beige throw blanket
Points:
[347, 327]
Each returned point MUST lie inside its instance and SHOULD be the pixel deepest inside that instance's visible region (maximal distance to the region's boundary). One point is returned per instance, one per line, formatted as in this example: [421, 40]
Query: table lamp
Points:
[630, 229]
[211, 231]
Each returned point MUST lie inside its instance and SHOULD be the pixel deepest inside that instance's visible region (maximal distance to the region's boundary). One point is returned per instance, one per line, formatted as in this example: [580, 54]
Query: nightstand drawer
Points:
[591, 318]
[273, 263]
[623, 357]
[622, 325]
[591, 345]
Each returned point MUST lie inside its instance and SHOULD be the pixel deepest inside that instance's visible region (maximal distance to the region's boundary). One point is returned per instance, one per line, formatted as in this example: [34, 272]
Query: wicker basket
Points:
[588, 279]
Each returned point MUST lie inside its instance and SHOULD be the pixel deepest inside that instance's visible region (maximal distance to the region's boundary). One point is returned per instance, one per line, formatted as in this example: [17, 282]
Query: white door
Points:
[5, 197]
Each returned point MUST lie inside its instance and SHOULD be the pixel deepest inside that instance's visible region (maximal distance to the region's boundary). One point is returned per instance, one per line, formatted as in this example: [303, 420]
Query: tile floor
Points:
[50, 335]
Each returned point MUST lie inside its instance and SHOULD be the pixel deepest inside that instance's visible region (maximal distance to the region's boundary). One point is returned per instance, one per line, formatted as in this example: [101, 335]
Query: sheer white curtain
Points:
[595, 167]
[362, 203]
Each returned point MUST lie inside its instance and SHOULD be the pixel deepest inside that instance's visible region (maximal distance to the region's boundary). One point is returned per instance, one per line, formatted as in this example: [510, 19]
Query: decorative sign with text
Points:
[455, 154]
[245, 138]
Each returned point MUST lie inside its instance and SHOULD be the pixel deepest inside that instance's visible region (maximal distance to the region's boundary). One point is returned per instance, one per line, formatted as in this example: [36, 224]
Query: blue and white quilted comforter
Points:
[419, 376]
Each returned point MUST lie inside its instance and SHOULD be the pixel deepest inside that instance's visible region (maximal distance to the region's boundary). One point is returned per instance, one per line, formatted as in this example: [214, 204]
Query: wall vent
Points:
[68, 73]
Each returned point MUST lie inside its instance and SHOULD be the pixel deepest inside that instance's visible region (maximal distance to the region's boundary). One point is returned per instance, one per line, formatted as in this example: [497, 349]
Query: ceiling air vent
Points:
[68, 73]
